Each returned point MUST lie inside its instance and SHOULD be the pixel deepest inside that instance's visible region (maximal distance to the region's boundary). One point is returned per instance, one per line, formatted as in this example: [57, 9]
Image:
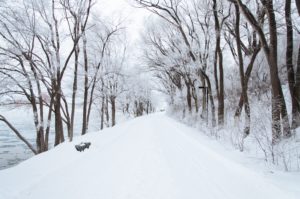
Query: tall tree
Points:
[289, 64]
[296, 91]
[170, 12]
[270, 49]
[77, 14]
[218, 65]
[241, 69]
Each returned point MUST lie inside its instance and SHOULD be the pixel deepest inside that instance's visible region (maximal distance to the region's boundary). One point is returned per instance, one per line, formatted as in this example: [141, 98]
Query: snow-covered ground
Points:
[14, 151]
[149, 157]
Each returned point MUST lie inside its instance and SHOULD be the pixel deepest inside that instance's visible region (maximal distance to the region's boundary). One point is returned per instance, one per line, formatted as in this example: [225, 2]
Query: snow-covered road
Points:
[152, 157]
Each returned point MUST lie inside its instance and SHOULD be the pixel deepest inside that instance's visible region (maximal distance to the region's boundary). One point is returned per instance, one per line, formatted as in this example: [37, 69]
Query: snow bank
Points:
[149, 157]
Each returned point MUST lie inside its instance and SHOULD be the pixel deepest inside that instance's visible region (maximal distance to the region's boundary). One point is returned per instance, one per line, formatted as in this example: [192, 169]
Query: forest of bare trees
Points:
[60, 56]
[201, 43]
[215, 61]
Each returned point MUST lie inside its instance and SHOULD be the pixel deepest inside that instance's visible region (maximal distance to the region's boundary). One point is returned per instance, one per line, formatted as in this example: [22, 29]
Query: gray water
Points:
[12, 149]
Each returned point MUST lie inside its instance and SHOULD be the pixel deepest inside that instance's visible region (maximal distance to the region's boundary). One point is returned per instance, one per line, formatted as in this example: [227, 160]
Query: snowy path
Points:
[151, 157]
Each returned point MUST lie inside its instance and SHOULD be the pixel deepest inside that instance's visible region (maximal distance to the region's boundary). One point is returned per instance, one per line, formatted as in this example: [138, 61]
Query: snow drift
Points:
[149, 157]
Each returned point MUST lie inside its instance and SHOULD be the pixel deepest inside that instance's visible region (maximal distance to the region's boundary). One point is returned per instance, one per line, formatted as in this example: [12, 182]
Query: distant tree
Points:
[102, 35]
[171, 12]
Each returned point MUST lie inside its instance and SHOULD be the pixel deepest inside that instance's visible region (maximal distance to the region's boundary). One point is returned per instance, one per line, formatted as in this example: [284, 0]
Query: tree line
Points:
[60, 56]
[188, 45]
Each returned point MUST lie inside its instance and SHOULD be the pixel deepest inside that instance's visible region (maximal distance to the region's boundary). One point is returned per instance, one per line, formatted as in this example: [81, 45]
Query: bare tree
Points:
[104, 39]
[289, 64]
[242, 75]
[77, 14]
[218, 61]
[296, 86]
[270, 50]
[33, 47]
[170, 12]
[19, 49]
[249, 50]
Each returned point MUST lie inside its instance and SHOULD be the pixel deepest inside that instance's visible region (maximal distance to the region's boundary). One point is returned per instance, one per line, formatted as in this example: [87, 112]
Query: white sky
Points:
[134, 22]
[123, 10]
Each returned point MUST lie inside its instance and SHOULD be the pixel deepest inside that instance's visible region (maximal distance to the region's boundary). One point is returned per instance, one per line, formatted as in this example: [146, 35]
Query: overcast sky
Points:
[123, 9]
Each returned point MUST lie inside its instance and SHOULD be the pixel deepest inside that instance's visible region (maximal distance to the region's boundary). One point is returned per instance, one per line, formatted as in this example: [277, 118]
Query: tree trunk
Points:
[127, 108]
[289, 61]
[211, 100]
[278, 98]
[33, 101]
[221, 106]
[247, 77]
[278, 103]
[219, 61]
[85, 97]
[59, 133]
[106, 112]
[242, 75]
[204, 99]
[90, 104]
[76, 54]
[297, 92]
[298, 6]
[102, 113]
[113, 110]
[57, 78]
[141, 108]
[195, 98]
[38, 117]
[49, 123]
[188, 96]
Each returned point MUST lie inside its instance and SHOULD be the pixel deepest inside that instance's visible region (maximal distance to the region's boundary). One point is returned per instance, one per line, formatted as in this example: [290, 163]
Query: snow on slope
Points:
[152, 157]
